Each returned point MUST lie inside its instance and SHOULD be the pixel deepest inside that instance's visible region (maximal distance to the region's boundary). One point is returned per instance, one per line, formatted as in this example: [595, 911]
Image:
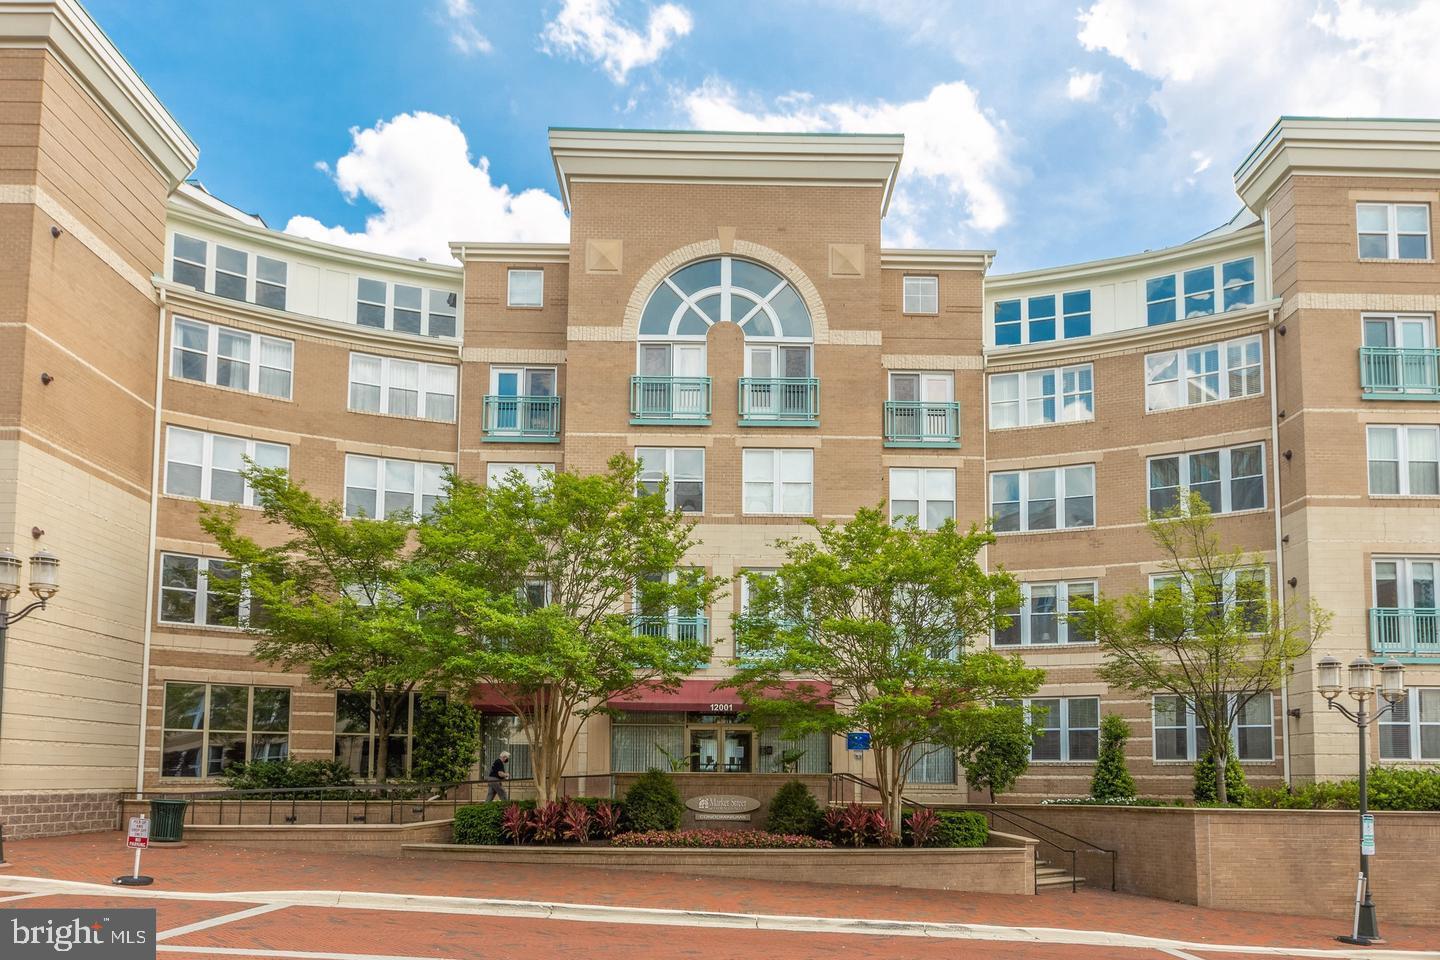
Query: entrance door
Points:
[721, 748]
[737, 750]
[704, 749]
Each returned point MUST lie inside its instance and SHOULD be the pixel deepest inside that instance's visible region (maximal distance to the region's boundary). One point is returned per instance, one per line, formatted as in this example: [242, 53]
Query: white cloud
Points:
[464, 35]
[954, 162]
[1225, 69]
[416, 169]
[590, 30]
[1084, 87]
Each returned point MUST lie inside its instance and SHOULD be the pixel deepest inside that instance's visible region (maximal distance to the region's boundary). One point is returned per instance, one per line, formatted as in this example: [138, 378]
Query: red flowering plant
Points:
[545, 822]
[921, 827]
[515, 823]
[607, 819]
[575, 821]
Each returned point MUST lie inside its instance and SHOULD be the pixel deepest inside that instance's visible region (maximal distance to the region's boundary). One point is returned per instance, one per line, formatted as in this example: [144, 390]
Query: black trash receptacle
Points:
[167, 820]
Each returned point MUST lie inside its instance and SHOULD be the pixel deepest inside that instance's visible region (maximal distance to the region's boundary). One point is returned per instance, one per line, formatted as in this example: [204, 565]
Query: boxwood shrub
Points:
[793, 810]
[653, 803]
[961, 828]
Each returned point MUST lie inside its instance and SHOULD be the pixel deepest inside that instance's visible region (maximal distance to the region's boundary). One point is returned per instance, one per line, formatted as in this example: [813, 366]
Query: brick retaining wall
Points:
[32, 814]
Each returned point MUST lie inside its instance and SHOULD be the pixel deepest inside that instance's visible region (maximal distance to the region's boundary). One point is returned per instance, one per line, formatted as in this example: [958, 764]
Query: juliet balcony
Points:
[1400, 373]
[686, 629]
[922, 423]
[670, 400]
[1397, 632]
[767, 402]
[522, 419]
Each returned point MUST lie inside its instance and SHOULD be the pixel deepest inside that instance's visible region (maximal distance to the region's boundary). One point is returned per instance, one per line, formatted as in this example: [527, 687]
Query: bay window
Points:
[1034, 397]
[1031, 500]
[1228, 480]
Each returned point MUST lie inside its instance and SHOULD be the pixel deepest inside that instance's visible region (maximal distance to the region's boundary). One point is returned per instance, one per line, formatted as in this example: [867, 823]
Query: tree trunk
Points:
[1221, 795]
[891, 785]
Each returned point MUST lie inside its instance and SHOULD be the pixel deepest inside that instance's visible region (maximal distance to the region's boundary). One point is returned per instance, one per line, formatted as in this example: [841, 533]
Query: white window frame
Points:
[532, 473]
[389, 306]
[1393, 233]
[667, 471]
[527, 272]
[1065, 729]
[1414, 724]
[1058, 318]
[211, 267]
[207, 463]
[1227, 479]
[1217, 290]
[202, 594]
[426, 375]
[1191, 726]
[1227, 587]
[1029, 388]
[1403, 433]
[1062, 475]
[258, 342]
[778, 482]
[1022, 616]
[920, 294]
[1155, 363]
[428, 480]
[922, 499]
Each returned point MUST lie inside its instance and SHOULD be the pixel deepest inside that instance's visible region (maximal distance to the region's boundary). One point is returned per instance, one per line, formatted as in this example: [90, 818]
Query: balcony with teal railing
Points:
[1400, 373]
[766, 402]
[670, 400]
[522, 419]
[1407, 634]
[691, 629]
[921, 423]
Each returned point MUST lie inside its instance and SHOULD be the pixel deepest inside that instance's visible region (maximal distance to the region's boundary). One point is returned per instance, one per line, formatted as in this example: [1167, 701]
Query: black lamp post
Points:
[1362, 687]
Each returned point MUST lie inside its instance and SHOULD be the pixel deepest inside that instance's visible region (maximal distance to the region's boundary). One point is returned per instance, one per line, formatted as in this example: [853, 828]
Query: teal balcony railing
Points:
[524, 419]
[771, 402]
[1400, 373]
[670, 400]
[1405, 633]
[921, 423]
[688, 629]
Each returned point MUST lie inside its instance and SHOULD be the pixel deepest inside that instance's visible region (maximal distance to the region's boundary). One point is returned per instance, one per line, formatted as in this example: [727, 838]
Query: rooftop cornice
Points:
[1333, 146]
[695, 156]
[179, 212]
[900, 258]
[1245, 236]
[468, 252]
[64, 28]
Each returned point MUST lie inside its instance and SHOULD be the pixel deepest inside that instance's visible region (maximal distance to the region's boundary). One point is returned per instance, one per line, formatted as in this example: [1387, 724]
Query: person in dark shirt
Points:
[497, 778]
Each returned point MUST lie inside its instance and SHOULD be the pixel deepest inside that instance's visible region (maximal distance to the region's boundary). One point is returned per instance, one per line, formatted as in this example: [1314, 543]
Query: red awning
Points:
[697, 696]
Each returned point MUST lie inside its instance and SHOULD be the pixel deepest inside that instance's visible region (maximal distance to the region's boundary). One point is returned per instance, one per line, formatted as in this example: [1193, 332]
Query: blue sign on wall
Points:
[857, 741]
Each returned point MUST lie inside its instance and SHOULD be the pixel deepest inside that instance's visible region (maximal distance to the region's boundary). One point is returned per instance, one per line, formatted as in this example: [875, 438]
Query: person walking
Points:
[497, 778]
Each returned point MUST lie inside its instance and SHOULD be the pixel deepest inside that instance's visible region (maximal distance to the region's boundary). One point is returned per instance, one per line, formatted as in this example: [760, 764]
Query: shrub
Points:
[480, 823]
[856, 826]
[1389, 789]
[575, 822]
[1112, 778]
[794, 811]
[653, 803]
[287, 773]
[515, 823]
[958, 828]
[447, 739]
[1204, 790]
[607, 819]
[719, 839]
[921, 827]
[545, 822]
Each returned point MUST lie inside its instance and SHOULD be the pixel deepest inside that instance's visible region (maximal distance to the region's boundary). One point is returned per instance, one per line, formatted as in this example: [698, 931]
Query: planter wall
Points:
[327, 812]
[759, 786]
[1273, 861]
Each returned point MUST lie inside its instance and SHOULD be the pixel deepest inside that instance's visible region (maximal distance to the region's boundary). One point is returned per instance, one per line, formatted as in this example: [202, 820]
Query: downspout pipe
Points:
[151, 542]
[1279, 548]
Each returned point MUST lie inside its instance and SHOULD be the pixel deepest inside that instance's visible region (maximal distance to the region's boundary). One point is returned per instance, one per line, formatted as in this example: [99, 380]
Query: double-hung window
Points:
[779, 482]
[402, 307]
[1411, 731]
[442, 322]
[187, 593]
[376, 486]
[207, 466]
[1069, 728]
[531, 473]
[1228, 480]
[1007, 323]
[685, 469]
[231, 273]
[1178, 735]
[405, 388]
[1076, 306]
[1043, 617]
[922, 294]
[1203, 374]
[1034, 397]
[188, 266]
[924, 496]
[210, 726]
[1403, 460]
[1030, 500]
[1393, 231]
[225, 357]
[232, 268]
[1200, 291]
[1246, 589]
[1034, 319]
[525, 288]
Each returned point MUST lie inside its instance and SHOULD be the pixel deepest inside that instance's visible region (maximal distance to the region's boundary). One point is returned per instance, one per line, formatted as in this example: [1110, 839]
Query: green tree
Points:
[1204, 790]
[447, 739]
[537, 583]
[1112, 780]
[1209, 633]
[325, 599]
[885, 617]
[1000, 750]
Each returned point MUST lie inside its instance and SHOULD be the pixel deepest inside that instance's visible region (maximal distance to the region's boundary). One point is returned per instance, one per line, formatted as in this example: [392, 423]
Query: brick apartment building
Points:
[725, 311]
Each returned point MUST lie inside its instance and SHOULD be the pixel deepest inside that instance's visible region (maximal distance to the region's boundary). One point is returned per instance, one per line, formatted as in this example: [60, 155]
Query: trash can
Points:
[167, 820]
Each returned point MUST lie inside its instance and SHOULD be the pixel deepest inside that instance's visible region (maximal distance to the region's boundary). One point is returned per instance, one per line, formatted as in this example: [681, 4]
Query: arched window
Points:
[725, 290]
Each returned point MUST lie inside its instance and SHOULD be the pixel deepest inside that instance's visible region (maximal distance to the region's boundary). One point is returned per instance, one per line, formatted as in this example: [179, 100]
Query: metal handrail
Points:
[779, 400]
[1407, 631]
[1014, 818]
[922, 421]
[669, 398]
[529, 417]
[1413, 371]
[836, 778]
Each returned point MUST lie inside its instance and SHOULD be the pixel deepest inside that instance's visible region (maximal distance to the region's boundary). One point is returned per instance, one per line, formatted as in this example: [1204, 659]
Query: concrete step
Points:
[1055, 881]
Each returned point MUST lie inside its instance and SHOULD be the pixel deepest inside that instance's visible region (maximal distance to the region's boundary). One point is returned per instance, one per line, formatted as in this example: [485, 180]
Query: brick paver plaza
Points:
[221, 900]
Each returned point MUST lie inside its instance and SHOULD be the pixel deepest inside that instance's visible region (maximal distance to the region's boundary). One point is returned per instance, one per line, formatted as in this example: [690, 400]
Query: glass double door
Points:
[523, 401]
[1407, 360]
[777, 383]
[720, 748]
[673, 381]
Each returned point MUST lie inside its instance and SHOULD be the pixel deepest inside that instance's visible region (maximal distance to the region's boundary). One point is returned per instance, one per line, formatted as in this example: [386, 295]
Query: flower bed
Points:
[720, 840]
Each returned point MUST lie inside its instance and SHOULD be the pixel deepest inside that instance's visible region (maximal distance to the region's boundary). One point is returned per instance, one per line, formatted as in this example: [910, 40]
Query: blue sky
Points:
[1051, 131]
